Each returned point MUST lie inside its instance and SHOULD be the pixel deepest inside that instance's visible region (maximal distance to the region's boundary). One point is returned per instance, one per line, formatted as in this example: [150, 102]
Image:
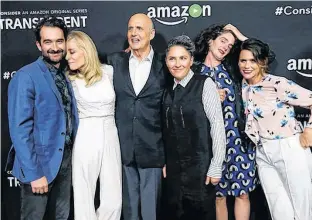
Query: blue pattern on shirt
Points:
[239, 170]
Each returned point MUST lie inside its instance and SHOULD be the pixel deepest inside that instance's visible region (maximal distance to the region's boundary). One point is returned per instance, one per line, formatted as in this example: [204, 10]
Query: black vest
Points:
[188, 144]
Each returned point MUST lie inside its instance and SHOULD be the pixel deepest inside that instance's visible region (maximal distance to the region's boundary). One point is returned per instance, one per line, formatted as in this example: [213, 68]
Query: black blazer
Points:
[138, 117]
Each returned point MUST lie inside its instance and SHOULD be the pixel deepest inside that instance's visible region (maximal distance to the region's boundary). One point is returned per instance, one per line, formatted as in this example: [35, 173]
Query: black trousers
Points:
[190, 207]
[54, 205]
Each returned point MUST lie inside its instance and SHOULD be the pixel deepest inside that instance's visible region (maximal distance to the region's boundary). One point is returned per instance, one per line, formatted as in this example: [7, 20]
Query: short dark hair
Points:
[261, 52]
[183, 41]
[50, 22]
[259, 49]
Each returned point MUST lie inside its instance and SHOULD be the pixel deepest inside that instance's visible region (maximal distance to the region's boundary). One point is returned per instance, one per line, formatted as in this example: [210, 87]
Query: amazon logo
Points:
[301, 66]
[178, 14]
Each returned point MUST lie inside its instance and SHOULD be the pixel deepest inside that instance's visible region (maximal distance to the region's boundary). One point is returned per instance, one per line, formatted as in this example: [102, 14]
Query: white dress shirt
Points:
[140, 70]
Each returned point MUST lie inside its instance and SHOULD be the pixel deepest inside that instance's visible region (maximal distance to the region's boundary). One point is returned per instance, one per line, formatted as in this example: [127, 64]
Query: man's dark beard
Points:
[48, 60]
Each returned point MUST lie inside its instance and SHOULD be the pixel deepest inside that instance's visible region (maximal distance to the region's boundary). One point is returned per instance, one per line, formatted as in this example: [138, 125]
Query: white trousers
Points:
[96, 153]
[285, 171]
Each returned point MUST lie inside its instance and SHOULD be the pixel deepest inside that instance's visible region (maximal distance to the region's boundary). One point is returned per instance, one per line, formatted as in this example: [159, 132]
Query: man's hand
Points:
[222, 94]
[40, 186]
[164, 171]
[306, 138]
[237, 33]
[212, 180]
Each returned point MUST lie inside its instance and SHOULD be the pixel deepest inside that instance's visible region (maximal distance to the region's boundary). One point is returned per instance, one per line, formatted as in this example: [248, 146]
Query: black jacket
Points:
[138, 117]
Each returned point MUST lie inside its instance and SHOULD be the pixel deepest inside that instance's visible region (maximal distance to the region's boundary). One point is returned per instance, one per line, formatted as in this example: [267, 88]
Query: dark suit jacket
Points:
[138, 117]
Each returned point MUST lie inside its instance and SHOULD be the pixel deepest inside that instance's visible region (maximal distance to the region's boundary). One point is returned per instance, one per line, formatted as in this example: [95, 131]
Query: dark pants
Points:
[141, 193]
[189, 207]
[54, 205]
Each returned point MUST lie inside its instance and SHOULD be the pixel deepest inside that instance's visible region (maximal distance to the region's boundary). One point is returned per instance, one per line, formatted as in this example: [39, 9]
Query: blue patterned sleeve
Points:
[228, 105]
[293, 94]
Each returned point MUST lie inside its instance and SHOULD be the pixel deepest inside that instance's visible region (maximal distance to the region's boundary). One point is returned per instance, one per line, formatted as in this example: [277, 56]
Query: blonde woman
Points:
[96, 153]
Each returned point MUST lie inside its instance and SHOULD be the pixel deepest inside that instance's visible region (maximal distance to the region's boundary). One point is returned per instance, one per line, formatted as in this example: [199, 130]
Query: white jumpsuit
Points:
[96, 151]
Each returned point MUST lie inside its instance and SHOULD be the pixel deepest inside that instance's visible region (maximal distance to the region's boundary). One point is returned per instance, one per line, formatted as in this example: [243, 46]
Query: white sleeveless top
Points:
[97, 100]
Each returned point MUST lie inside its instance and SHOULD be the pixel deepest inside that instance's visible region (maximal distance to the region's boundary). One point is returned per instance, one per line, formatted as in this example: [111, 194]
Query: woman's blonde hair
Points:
[91, 71]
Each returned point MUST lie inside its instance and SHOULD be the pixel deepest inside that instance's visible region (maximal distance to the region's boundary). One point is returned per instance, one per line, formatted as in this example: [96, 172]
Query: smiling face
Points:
[140, 32]
[221, 46]
[179, 62]
[52, 44]
[249, 67]
[75, 55]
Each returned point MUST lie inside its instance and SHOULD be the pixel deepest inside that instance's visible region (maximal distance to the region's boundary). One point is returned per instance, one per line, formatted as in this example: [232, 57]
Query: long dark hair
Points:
[202, 48]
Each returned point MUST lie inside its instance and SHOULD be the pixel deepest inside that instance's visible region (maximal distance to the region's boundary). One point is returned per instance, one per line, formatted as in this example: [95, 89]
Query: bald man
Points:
[139, 81]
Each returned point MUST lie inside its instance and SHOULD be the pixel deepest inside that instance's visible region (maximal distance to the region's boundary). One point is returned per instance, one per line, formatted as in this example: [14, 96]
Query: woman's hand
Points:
[212, 180]
[164, 171]
[306, 138]
[222, 94]
[237, 33]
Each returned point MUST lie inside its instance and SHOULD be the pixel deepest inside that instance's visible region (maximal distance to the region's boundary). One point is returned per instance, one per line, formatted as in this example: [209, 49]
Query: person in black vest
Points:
[139, 81]
[194, 136]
